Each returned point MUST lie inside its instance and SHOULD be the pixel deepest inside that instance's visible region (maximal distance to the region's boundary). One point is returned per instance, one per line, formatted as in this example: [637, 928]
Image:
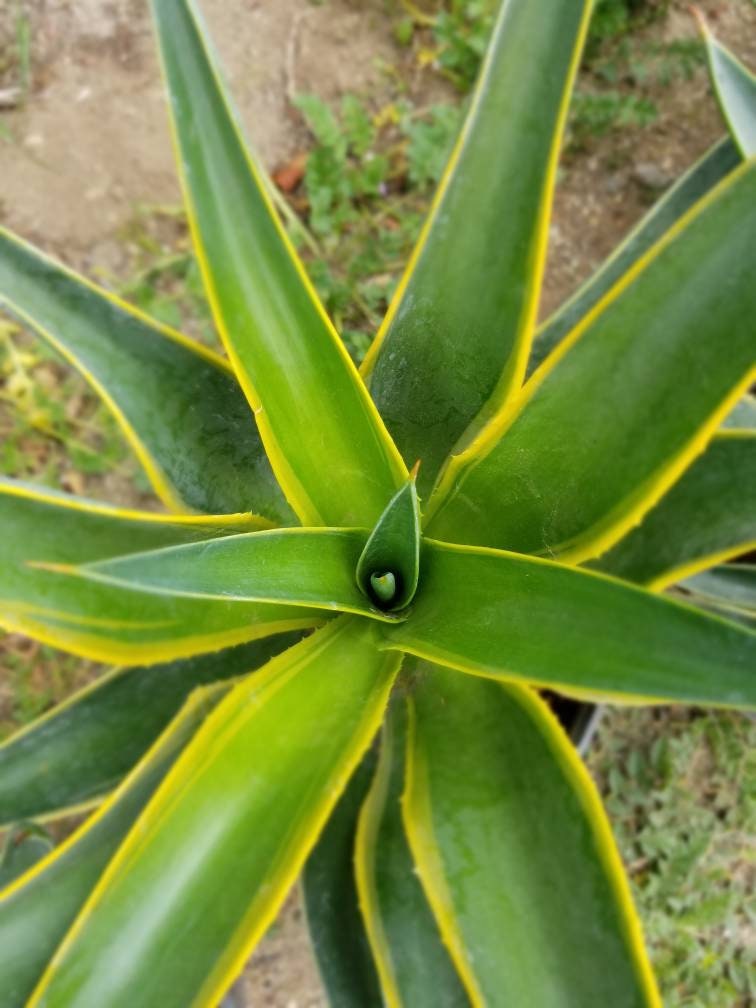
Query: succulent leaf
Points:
[518, 618]
[198, 880]
[707, 517]
[457, 333]
[308, 399]
[37, 910]
[735, 88]
[43, 528]
[676, 329]
[413, 965]
[74, 754]
[177, 403]
[715, 165]
[491, 771]
[331, 902]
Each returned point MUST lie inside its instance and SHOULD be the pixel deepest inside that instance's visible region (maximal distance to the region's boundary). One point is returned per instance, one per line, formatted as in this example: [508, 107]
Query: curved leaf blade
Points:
[708, 516]
[413, 965]
[197, 881]
[582, 419]
[743, 417]
[735, 89]
[140, 628]
[730, 587]
[74, 754]
[177, 403]
[715, 165]
[104, 622]
[455, 339]
[331, 902]
[37, 523]
[512, 617]
[23, 846]
[542, 914]
[37, 910]
[297, 566]
[308, 399]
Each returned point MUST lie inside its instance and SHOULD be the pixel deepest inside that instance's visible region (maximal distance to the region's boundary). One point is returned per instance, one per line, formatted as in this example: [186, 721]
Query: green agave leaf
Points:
[309, 401]
[715, 165]
[735, 88]
[308, 567]
[388, 567]
[746, 619]
[507, 616]
[458, 330]
[210, 860]
[330, 894]
[178, 403]
[730, 588]
[25, 844]
[542, 914]
[76, 753]
[38, 517]
[582, 419]
[707, 517]
[743, 417]
[413, 966]
[104, 622]
[37, 910]
[139, 628]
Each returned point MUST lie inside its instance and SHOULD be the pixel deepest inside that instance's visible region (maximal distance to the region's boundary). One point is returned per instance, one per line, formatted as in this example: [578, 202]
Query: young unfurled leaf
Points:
[388, 568]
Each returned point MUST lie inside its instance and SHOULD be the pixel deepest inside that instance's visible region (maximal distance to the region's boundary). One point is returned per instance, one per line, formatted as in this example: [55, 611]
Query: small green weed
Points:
[641, 62]
[460, 32]
[613, 20]
[594, 114]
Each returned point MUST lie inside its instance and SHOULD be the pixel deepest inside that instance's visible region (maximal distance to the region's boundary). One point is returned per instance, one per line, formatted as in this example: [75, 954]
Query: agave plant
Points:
[331, 663]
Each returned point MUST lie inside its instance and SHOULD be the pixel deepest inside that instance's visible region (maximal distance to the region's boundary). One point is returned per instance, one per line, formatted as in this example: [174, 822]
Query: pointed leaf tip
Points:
[734, 87]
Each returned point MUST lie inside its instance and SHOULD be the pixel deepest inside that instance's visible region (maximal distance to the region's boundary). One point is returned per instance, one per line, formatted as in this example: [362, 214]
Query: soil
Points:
[88, 145]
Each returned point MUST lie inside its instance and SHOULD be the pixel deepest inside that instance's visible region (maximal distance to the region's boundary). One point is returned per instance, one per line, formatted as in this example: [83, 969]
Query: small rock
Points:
[10, 97]
[651, 175]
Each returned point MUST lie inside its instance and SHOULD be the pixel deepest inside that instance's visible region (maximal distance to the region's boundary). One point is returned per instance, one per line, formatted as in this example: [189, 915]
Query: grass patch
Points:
[680, 789]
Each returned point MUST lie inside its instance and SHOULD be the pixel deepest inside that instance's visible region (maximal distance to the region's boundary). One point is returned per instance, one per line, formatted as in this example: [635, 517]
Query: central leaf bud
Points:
[384, 586]
[388, 569]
